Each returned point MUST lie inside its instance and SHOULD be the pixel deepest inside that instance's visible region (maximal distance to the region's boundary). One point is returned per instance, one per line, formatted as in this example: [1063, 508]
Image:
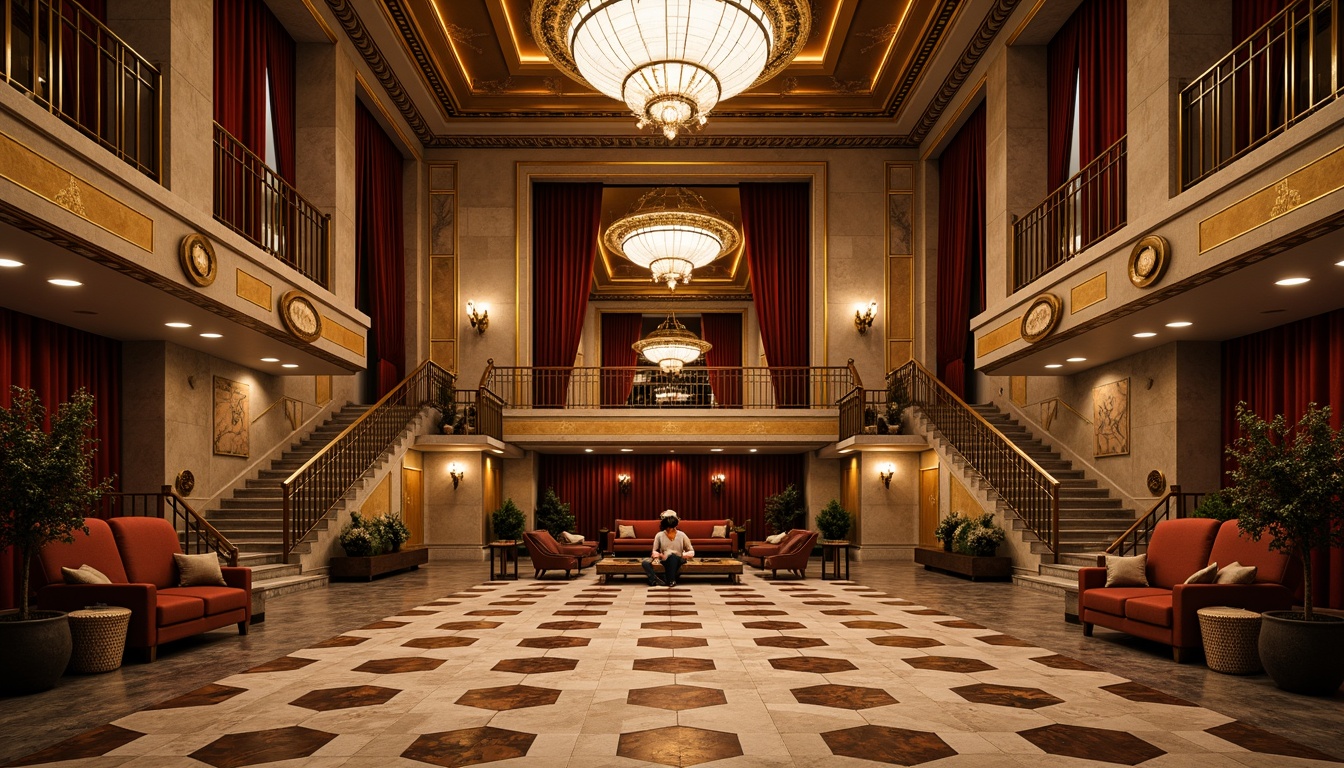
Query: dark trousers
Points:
[671, 568]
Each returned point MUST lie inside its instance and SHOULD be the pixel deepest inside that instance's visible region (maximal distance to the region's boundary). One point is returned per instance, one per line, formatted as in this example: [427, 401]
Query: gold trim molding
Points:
[999, 337]
[341, 336]
[523, 427]
[253, 289]
[1087, 293]
[1309, 183]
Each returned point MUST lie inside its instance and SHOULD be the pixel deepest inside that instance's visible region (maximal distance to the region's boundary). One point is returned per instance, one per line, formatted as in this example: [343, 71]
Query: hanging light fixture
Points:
[671, 61]
[672, 231]
[671, 346]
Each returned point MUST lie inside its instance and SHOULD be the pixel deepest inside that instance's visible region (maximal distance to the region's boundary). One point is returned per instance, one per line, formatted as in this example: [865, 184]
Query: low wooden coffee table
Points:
[699, 566]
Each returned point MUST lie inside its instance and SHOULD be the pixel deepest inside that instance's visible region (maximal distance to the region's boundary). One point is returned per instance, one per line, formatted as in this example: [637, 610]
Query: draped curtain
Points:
[1281, 370]
[619, 331]
[776, 229]
[378, 249]
[55, 361]
[1258, 82]
[588, 485]
[961, 250]
[1103, 102]
[82, 65]
[280, 55]
[565, 222]
[724, 331]
[1061, 72]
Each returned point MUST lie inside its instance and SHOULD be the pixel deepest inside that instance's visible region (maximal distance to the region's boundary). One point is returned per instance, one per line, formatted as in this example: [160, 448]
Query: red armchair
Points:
[136, 553]
[794, 553]
[756, 553]
[547, 554]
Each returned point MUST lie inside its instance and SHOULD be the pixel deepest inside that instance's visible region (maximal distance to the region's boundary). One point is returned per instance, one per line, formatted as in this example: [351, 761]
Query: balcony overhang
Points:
[770, 430]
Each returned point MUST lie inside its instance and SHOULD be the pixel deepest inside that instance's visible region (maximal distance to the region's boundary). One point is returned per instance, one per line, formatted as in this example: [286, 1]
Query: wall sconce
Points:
[716, 482]
[456, 472]
[623, 482]
[479, 315]
[864, 315]
[887, 471]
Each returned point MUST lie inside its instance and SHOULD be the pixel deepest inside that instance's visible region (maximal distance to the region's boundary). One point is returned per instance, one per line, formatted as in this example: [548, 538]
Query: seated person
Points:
[670, 547]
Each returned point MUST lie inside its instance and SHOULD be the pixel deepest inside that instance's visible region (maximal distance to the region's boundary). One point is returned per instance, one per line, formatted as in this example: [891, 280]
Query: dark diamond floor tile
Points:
[460, 625]
[511, 602]
[437, 603]
[676, 697]
[949, 664]
[536, 665]
[775, 625]
[588, 603]
[903, 641]
[667, 603]
[822, 665]
[492, 612]
[448, 641]
[282, 664]
[399, 665]
[884, 744]
[761, 612]
[813, 595]
[843, 696]
[1007, 696]
[567, 625]
[507, 697]
[339, 641]
[748, 602]
[673, 664]
[94, 743]
[201, 697]
[347, 697]
[848, 612]
[925, 612]
[1257, 740]
[385, 625]
[235, 750]
[670, 612]
[469, 746]
[679, 745]
[579, 612]
[865, 624]
[671, 625]
[1086, 743]
[1005, 641]
[672, 642]
[555, 641]
[960, 624]
[1056, 661]
[1137, 692]
[790, 641]
[825, 602]
[417, 612]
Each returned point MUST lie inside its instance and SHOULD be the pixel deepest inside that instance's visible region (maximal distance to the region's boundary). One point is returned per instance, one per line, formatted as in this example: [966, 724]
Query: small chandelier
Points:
[671, 346]
[671, 61]
[671, 232]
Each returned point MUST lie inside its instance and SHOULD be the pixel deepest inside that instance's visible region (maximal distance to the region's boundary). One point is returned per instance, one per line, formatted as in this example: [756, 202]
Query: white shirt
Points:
[662, 545]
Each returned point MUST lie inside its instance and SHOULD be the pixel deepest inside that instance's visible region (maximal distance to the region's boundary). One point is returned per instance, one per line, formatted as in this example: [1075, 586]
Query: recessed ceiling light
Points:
[10, 263]
[1293, 281]
[496, 450]
[212, 335]
[1180, 324]
[627, 450]
[1337, 264]
[753, 450]
[270, 359]
[1075, 360]
[845, 450]
[1145, 335]
[716, 450]
[64, 283]
[178, 325]
[289, 365]
[1054, 365]
[587, 450]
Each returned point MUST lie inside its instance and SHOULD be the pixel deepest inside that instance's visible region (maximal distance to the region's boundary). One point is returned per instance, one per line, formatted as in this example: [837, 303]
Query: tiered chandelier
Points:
[671, 346]
[672, 232]
[671, 61]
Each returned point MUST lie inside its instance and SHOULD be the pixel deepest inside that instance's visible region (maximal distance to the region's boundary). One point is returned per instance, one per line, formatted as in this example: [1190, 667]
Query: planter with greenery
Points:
[373, 548]
[1215, 506]
[1289, 484]
[553, 514]
[834, 522]
[46, 488]
[947, 528]
[783, 509]
[898, 399]
[507, 522]
[978, 536]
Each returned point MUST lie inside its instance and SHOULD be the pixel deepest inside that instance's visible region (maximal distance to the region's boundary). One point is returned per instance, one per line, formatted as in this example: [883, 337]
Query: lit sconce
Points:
[864, 315]
[887, 472]
[716, 482]
[456, 472]
[479, 315]
[623, 482]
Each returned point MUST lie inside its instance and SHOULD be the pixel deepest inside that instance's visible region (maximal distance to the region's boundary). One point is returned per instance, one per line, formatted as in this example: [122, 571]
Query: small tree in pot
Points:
[507, 522]
[783, 509]
[834, 521]
[1289, 483]
[553, 514]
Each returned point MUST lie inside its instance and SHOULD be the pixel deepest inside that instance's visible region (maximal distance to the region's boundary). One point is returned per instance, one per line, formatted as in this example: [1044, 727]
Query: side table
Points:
[1231, 639]
[98, 638]
[501, 552]
[834, 551]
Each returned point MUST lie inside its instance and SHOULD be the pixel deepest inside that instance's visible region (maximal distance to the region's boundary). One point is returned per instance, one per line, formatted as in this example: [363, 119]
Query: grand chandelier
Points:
[671, 346]
[671, 61]
[672, 232]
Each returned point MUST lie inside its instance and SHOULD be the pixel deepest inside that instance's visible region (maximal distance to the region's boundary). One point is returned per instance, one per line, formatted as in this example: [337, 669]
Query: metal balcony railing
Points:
[73, 65]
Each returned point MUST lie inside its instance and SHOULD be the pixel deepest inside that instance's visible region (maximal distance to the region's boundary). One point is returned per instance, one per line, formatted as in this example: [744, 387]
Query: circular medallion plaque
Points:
[1157, 482]
[1041, 317]
[1148, 261]
[300, 316]
[197, 257]
[185, 483]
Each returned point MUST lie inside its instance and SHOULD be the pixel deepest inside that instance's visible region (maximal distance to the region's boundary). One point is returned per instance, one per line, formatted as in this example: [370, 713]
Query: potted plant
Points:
[392, 530]
[898, 399]
[783, 509]
[833, 521]
[373, 548]
[46, 487]
[446, 404]
[978, 536]
[362, 538]
[1289, 483]
[1214, 506]
[553, 515]
[507, 522]
[947, 529]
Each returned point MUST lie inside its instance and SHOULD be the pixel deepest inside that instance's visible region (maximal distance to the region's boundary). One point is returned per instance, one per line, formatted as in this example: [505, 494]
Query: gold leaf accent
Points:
[70, 198]
[1286, 198]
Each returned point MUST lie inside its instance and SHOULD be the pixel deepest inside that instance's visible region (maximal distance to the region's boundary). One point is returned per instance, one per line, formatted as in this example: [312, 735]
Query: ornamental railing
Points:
[1285, 71]
[1083, 210]
[73, 65]
[193, 532]
[1173, 505]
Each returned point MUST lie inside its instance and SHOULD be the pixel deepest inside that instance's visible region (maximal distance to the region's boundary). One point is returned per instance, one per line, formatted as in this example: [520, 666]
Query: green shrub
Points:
[1215, 507]
[947, 527]
[834, 521]
[553, 515]
[362, 538]
[978, 536]
[391, 530]
[783, 509]
[507, 522]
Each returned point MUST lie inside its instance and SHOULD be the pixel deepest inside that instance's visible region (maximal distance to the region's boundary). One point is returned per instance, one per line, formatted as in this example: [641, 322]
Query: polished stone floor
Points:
[900, 666]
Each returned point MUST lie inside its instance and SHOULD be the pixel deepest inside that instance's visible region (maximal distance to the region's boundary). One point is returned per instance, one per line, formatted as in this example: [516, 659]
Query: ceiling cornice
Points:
[990, 27]
[685, 141]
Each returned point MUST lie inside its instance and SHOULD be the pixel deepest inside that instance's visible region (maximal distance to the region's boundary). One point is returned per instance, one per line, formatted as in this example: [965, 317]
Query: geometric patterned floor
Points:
[766, 673]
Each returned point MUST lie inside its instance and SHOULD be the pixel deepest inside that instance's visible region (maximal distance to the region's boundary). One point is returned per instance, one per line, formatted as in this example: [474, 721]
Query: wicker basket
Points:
[1231, 640]
[99, 638]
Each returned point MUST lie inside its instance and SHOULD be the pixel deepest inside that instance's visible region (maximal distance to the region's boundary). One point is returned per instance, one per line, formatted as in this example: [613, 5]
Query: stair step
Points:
[255, 560]
[273, 571]
[250, 503]
[290, 584]
[1048, 584]
[1061, 571]
[1083, 559]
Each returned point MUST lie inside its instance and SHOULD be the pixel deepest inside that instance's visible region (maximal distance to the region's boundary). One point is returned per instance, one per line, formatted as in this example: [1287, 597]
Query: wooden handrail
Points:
[194, 531]
[854, 374]
[1141, 531]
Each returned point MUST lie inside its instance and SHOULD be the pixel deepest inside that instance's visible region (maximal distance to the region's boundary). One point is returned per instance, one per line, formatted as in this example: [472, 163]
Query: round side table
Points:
[98, 637]
[1231, 639]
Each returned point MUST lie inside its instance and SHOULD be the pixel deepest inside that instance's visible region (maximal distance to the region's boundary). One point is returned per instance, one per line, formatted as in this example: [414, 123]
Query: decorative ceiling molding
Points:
[354, 29]
[926, 50]
[643, 141]
[990, 27]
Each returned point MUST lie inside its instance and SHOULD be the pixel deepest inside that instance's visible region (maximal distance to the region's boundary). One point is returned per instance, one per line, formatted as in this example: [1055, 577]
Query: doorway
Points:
[413, 504]
[928, 506]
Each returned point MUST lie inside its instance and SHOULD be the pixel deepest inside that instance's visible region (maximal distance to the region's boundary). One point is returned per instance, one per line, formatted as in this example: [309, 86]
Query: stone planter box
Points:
[968, 566]
[369, 568]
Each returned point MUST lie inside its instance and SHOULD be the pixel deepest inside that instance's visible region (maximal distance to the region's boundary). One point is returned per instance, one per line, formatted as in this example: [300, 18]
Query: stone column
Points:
[325, 132]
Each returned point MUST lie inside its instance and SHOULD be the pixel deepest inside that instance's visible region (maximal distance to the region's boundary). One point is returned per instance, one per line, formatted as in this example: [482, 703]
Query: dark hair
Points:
[669, 521]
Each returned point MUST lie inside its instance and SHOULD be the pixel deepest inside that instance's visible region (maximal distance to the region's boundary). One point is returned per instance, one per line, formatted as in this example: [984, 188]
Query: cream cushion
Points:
[572, 538]
[1127, 571]
[625, 531]
[1204, 575]
[775, 539]
[719, 532]
[199, 570]
[1236, 573]
[84, 574]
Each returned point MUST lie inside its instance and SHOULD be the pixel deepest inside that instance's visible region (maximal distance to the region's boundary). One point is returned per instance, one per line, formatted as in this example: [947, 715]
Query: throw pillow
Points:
[625, 531]
[572, 538]
[1127, 571]
[775, 539]
[1204, 575]
[199, 570]
[84, 574]
[719, 532]
[1236, 573]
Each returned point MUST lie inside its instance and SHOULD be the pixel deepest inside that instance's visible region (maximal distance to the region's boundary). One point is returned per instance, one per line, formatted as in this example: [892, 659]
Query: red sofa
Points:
[547, 554]
[1165, 611]
[136, 553]
[699, 531]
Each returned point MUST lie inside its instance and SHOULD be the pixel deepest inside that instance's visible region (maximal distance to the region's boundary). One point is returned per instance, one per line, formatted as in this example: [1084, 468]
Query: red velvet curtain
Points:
[776, 231]
[1281, 370]
[1103, 99]
[280, 55]
[241, 42]
[724, 331]
[81, 65]
[1258, 82]
[1061, 72]
[619, 331]
[565, 222]
[55, 361]
[379, 250]
[588, 485]
[961, 250]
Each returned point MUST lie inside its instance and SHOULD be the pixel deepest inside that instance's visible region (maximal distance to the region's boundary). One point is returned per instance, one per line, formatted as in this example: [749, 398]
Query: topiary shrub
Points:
[834, 521]
[507, 522]
[978, 536]
[783, 509]
[1215, 507]
[553, 514]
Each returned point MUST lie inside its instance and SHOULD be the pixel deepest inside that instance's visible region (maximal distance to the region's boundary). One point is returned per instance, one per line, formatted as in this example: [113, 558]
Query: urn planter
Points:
[36, 651]
[1303, 656]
